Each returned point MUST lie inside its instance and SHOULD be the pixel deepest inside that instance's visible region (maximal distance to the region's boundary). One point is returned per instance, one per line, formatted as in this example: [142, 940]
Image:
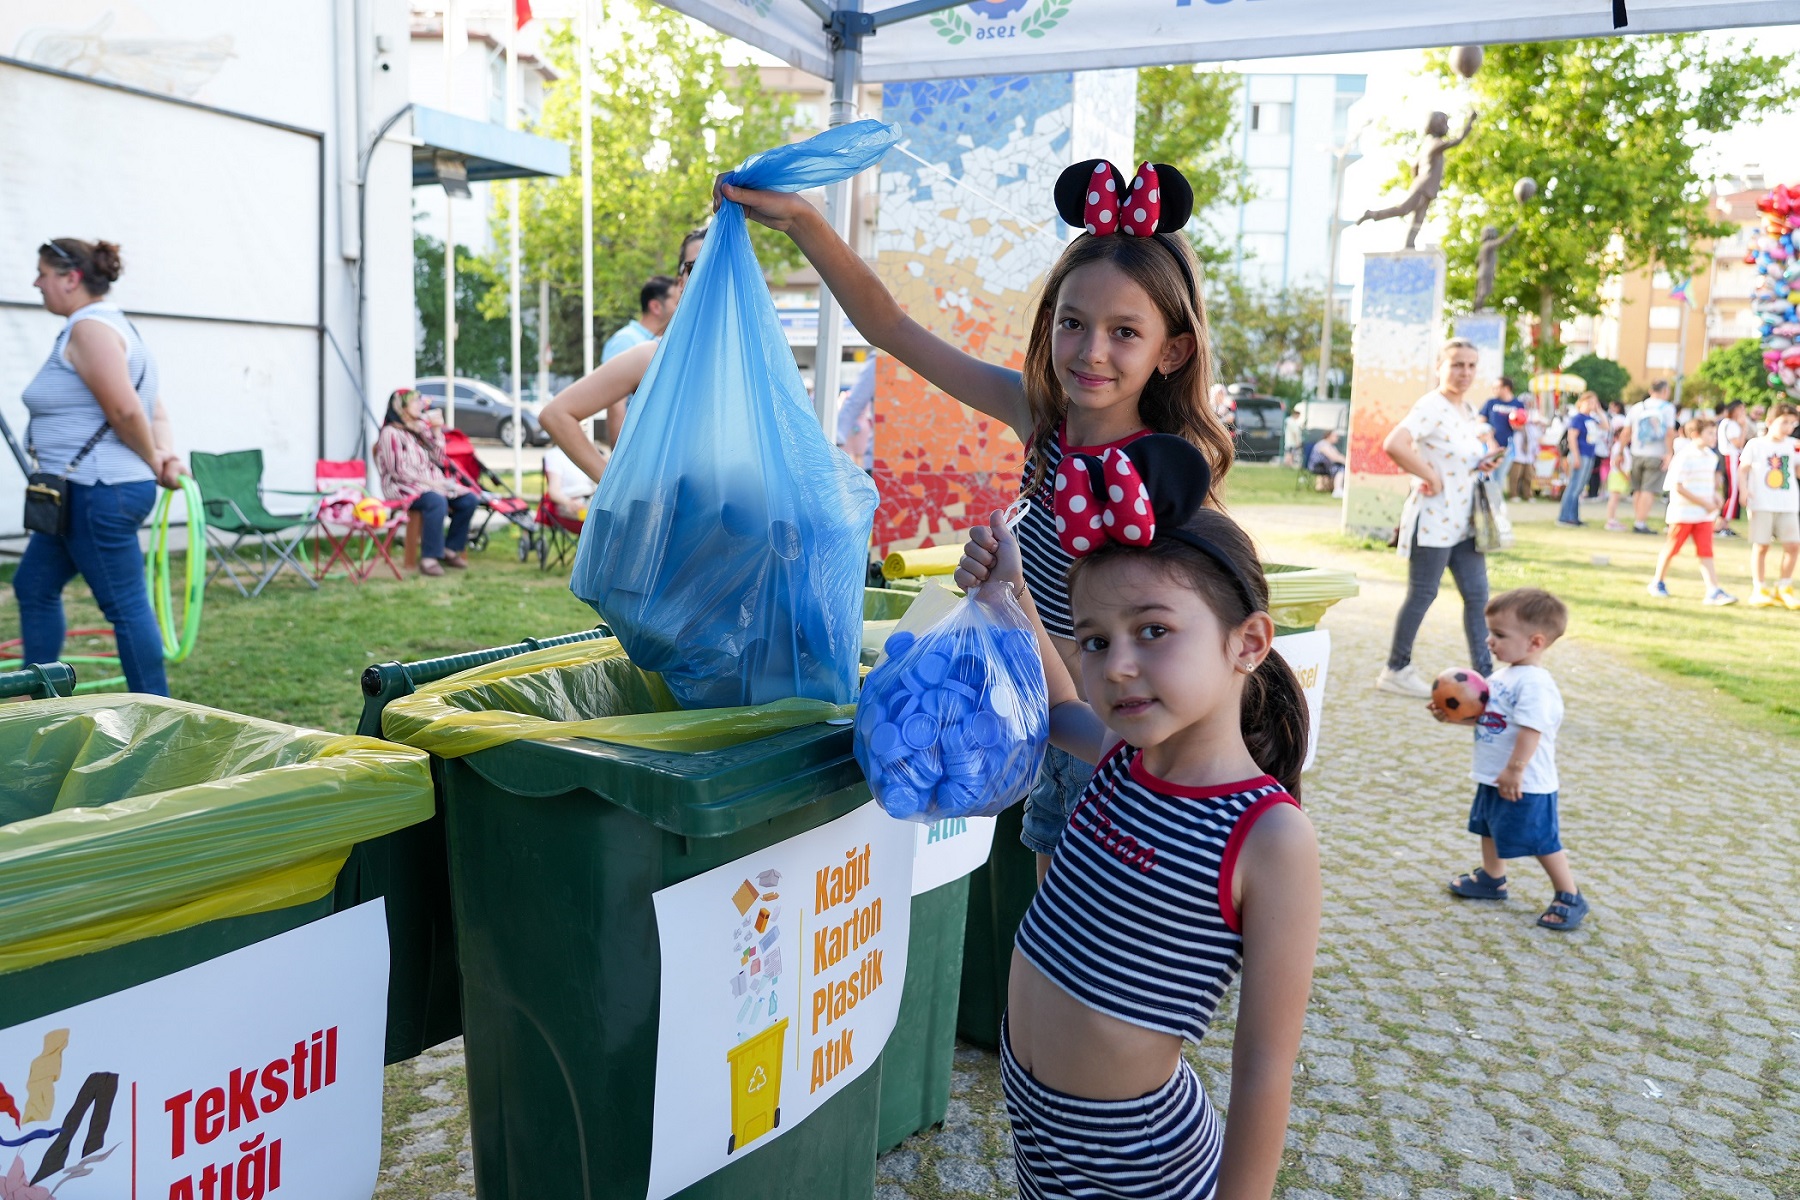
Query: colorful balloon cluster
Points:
[1775, 253]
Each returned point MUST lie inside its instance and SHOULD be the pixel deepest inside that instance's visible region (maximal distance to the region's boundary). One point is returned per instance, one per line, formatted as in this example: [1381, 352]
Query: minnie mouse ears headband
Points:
[1134, 495]
[1092, 195]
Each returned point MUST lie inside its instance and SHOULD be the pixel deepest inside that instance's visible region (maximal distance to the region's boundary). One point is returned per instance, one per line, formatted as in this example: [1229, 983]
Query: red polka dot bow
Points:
[1098, 499]
[1093, 195]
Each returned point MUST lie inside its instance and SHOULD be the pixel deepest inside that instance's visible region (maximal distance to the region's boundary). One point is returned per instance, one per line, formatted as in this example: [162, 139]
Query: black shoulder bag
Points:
[47, 495]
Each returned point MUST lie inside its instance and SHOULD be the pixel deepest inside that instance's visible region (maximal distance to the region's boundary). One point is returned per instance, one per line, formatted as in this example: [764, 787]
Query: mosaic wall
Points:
[1396, 352]
[964, 237]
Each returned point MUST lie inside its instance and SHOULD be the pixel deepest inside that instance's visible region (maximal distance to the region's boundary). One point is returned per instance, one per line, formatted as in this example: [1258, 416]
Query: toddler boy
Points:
[1515, 809]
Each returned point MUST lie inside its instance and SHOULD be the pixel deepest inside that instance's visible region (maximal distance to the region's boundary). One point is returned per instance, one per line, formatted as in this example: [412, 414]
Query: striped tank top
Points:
[1135, 917]
[1046, 563]
[65, 414]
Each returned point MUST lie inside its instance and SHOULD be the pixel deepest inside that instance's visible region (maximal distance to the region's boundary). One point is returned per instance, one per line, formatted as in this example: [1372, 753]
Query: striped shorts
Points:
[1164, 1145]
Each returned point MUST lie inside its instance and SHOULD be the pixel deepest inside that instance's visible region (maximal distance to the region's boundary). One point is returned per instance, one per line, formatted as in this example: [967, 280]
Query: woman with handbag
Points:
[102, 444]
[409, 458]
[1447, 447]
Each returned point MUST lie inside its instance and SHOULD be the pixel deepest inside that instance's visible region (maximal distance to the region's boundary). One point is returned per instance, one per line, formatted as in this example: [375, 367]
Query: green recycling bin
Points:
[1001, 891]
[558, 844]
[410, 870]
[38, 681]
[140, 836]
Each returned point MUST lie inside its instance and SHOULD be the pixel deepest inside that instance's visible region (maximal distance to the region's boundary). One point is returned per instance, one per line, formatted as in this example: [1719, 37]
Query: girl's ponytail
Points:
[1275, 721]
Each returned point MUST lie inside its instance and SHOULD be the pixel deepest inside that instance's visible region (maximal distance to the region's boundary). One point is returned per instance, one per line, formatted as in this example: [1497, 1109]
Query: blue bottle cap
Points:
[985, 729]
[919, 731]
[898, 643]
[884, 740]
[932, 668]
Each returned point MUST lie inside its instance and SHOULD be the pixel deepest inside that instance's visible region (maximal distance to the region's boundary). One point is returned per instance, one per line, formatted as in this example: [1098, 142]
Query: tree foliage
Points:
[483, 339]
[1269, 337]
[1610, 129]
[1605, 378]
[1187, 117]
[667, 116]
[1734, 372]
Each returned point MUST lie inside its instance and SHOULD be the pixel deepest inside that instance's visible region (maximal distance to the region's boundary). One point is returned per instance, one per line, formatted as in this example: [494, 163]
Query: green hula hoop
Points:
[157, 575]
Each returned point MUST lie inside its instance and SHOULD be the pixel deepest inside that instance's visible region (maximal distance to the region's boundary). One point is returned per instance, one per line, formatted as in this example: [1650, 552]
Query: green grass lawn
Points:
[294, 654]
[1745, 653]
[1270, 483]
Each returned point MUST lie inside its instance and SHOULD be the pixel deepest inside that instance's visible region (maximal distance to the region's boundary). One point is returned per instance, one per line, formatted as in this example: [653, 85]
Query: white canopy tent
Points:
[944, 39]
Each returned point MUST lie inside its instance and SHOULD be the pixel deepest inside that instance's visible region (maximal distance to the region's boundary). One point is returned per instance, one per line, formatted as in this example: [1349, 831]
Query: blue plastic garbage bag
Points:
[728, 543]
[954, 722]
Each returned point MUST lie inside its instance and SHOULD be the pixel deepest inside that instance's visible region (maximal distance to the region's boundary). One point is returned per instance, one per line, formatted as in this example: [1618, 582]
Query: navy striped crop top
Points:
[1135, 917]
[1046, 563]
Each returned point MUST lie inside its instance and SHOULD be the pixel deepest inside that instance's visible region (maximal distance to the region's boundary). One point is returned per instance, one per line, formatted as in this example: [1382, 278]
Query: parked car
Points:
[1316, 418]
[484, 411]
[1256, 424]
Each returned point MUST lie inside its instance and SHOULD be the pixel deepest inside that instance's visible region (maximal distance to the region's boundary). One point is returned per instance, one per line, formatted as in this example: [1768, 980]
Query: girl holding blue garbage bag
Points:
[1119, 349]
[1187, 859]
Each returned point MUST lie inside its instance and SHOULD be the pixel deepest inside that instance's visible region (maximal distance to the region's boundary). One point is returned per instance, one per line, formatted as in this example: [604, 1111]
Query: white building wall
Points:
[316, 66]
[1287, 128]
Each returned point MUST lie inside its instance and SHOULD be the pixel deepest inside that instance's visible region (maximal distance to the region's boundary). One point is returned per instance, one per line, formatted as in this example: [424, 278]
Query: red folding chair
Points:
[557, 536]
[359, 527]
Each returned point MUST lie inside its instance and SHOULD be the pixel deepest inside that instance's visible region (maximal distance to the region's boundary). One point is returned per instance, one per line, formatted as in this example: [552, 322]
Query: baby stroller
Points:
[557, 536]
[497, 500]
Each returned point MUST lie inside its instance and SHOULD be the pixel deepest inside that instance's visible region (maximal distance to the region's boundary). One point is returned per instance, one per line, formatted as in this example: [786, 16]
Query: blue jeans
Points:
[431, 507]
[102, 547]
[1571, 501]
[1424, 572]
[1052, 799]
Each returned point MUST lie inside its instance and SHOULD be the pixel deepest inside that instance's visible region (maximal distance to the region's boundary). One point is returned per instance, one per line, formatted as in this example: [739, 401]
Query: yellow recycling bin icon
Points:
[756, 1085]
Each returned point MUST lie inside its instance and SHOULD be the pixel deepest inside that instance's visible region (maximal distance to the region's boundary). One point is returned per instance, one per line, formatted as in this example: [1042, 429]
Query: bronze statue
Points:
[1487, 260]
[1428, 175]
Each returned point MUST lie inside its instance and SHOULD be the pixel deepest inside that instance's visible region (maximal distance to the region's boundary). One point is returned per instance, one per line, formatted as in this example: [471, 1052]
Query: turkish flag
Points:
[521, 13]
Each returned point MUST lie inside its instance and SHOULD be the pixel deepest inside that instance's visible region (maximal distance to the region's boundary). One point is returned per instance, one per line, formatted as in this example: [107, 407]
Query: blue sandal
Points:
[1569, 911]
[1479, 885]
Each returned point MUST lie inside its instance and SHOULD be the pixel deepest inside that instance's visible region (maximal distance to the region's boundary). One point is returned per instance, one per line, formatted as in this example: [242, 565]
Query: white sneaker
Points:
[1405, 682]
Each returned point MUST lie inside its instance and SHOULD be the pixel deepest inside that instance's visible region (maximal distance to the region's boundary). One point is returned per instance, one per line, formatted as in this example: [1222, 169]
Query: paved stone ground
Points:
[1453, 1049]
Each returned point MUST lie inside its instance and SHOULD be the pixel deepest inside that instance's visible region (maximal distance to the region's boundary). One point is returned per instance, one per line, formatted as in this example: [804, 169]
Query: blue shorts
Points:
[1522, 828]
[1052, 799]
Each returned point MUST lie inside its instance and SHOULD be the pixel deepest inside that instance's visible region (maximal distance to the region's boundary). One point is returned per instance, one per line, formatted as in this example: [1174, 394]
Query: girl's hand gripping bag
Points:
[728, 543]
[953, 722]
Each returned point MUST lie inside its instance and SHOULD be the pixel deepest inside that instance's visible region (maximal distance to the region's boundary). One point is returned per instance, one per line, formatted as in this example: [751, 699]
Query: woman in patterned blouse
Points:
[409, 457]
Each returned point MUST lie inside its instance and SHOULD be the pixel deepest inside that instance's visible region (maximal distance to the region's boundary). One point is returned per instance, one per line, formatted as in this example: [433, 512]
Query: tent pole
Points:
[449, 240]
[587, 210]
[846, 70]
[512, 230]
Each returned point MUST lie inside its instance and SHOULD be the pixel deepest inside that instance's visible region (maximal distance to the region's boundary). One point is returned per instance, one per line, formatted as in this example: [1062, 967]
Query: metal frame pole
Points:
[449, 241]
[846, 70]
[587, 208]
[512, 229]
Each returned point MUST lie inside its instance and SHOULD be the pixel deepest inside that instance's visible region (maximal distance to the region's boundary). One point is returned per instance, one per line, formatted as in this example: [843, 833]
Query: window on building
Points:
[1665, 316]
[1660, 279]
[1271, 117]
[1660, 356]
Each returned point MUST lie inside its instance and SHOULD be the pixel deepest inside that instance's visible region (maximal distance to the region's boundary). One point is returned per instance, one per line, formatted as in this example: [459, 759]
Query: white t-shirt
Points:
[1450, 438]
[1519, 696]
[571, 479]
[1729, 434]
[1771, 469]
[1652, 424]
[1696, 468]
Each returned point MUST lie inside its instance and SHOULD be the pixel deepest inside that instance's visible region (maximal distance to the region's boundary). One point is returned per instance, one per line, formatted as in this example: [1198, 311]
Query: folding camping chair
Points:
[232, 493]
[557, 536]
[359, 528]
[497, 499]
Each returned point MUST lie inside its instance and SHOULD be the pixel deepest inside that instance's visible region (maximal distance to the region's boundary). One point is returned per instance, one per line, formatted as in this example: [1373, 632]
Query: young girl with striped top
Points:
[1118, 349]
[1186, 861]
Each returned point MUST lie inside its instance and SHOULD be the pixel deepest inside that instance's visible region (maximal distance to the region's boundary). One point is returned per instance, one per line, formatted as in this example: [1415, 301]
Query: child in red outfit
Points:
[1693, 503]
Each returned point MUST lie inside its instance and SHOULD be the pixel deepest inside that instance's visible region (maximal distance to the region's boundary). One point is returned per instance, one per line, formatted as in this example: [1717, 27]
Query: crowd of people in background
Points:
[1704, 466]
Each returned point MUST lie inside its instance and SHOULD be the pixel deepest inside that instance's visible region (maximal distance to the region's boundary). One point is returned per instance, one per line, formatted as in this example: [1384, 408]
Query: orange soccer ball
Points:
[1461, 694]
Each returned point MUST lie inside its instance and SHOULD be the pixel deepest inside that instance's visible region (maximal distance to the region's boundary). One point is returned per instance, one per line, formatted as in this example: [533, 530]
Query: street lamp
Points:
[1342, 157]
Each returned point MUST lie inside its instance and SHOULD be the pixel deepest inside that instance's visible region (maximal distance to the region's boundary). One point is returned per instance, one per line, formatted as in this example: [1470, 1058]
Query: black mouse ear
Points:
[1074, 184]
[1177, 199]
[1176, 474]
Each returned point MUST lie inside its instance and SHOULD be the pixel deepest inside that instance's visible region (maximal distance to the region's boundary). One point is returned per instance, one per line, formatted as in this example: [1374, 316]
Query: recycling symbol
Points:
[758, 1081]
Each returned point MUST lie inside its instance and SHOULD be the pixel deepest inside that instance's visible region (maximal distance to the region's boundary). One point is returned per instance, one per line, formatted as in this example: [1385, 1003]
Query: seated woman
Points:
[409, 457]
[1327, 461]
[567, 486]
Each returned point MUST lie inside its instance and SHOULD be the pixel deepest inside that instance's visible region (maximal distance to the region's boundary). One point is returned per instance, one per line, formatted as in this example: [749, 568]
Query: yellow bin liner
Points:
[756, 1085]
